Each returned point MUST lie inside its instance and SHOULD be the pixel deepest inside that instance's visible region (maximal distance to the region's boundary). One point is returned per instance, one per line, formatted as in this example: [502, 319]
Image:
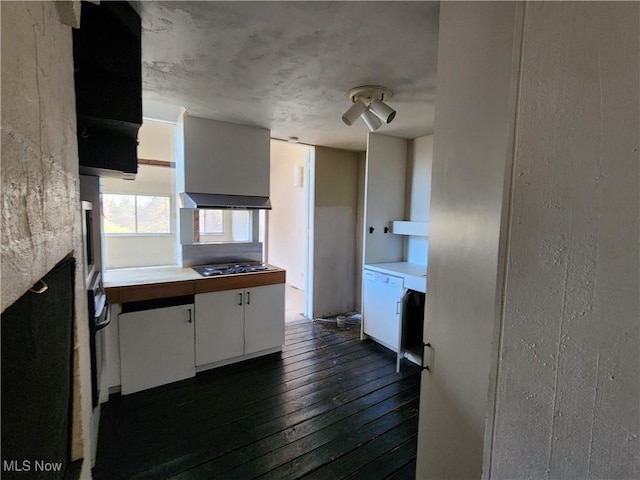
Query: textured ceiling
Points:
[287, 66]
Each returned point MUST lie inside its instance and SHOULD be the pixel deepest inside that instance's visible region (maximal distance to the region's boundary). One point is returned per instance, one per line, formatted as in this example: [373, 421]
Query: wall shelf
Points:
[400, 227]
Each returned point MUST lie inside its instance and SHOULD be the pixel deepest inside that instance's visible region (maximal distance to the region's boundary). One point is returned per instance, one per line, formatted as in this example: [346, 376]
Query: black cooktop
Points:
[229, 269]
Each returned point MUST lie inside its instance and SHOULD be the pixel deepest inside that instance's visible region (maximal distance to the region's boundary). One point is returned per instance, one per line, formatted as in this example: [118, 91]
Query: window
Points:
[136, 214]
[211, 222]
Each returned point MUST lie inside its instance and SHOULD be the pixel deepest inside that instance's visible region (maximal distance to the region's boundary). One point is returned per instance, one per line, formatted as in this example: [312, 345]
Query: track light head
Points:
[373, 123]
[353, 112]
[382, 110]
[368, 104]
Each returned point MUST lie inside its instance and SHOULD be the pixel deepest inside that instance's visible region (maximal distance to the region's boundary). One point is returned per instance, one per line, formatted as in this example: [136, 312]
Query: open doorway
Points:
[289, 223]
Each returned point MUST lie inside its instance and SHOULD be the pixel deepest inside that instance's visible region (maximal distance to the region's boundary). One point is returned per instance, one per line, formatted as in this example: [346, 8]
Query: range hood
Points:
[222, 165]
[218, 201]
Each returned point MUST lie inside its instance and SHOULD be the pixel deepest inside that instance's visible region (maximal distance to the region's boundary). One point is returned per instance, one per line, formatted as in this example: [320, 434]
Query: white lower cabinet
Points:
[233, 323]
[156, 347]
[264, 318]
[219, 326]
[382, 308]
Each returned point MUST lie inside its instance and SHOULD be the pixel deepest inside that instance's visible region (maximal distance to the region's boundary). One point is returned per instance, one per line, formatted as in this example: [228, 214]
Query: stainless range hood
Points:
[217, 201]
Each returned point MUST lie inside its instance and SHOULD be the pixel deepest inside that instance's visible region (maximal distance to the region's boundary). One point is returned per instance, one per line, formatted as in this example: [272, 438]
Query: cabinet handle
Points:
[190, 317]
[240, 301]
[397, 308]
[248, 298]
[424, 365]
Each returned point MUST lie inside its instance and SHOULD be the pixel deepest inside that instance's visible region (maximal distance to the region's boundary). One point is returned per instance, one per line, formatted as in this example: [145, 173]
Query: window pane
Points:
[154, 214]
[119, 213]
[241, 225]
[211, 221]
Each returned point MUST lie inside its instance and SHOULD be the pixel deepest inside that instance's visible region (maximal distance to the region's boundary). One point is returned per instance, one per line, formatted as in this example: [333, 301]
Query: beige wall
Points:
[40, 185]
[156, 141]
[287, 230]
[532, 309]
[473, 114]
[40, 211]
[362, 164]
[121, 251]
[568, 386]
[336, 192]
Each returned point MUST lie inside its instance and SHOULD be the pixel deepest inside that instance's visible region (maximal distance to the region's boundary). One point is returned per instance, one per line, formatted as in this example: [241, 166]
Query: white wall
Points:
[121, 251]
[418, 201]
[474, 106]
[568, 384]
[336, 190]
[40, 220]
[545, 243]
[287, 226]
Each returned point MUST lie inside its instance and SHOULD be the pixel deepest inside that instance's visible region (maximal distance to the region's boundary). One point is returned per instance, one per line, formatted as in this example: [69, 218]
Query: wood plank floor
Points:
[328, 407]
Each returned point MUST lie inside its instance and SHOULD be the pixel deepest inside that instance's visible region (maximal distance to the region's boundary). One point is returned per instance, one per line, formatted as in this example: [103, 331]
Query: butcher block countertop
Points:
[147, 283]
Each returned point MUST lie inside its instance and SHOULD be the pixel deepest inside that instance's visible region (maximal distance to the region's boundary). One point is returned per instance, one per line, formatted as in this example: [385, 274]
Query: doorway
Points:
[290, 223]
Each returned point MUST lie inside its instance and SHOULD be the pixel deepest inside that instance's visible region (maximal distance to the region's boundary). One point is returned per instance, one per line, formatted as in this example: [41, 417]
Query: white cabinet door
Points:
[264, 318]
[384, 197]
[219, 326]
[233, 323]
[156, 347]
[382, 308]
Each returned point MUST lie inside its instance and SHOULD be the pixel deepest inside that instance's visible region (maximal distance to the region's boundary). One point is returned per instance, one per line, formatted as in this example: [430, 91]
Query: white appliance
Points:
[382, 308]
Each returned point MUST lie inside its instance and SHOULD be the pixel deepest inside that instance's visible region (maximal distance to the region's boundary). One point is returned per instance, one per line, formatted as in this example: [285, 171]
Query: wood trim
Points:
[233, 282]
[113, 294]
[151, 291]
[157, 163]
[135, 293]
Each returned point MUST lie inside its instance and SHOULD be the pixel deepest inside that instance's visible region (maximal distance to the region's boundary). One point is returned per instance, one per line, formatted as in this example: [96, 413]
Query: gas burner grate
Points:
[232, 269]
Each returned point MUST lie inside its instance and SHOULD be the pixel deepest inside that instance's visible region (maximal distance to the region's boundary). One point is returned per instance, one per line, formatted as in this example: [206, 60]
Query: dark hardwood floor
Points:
[328, 407]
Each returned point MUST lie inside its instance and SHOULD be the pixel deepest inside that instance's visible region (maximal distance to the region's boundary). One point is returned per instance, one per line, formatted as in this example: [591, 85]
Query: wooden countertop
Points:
[147, 283]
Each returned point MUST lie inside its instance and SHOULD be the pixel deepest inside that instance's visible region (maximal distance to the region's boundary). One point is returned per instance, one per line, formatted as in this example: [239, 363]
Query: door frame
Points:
[310, 183]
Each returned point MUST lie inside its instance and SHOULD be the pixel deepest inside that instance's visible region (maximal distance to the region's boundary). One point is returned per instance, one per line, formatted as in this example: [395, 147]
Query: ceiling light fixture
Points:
[368, 103]
[353, 113]
[382, 110]
[373, 123]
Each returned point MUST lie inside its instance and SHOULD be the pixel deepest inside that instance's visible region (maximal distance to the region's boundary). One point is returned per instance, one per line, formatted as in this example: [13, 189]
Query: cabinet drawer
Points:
[156, 303]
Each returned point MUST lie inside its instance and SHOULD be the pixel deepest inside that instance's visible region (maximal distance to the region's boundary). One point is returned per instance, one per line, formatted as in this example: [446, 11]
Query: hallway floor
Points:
[293, 304]
[330, 406]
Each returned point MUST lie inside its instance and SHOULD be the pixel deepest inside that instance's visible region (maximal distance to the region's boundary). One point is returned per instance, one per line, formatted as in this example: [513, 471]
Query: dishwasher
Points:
[382, 308]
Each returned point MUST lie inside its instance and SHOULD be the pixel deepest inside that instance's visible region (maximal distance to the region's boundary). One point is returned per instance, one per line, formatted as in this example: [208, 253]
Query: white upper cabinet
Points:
[385, 185]
[222, 158]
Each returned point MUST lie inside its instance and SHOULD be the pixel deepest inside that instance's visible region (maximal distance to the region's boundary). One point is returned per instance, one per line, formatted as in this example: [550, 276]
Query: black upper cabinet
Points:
[108, 82]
